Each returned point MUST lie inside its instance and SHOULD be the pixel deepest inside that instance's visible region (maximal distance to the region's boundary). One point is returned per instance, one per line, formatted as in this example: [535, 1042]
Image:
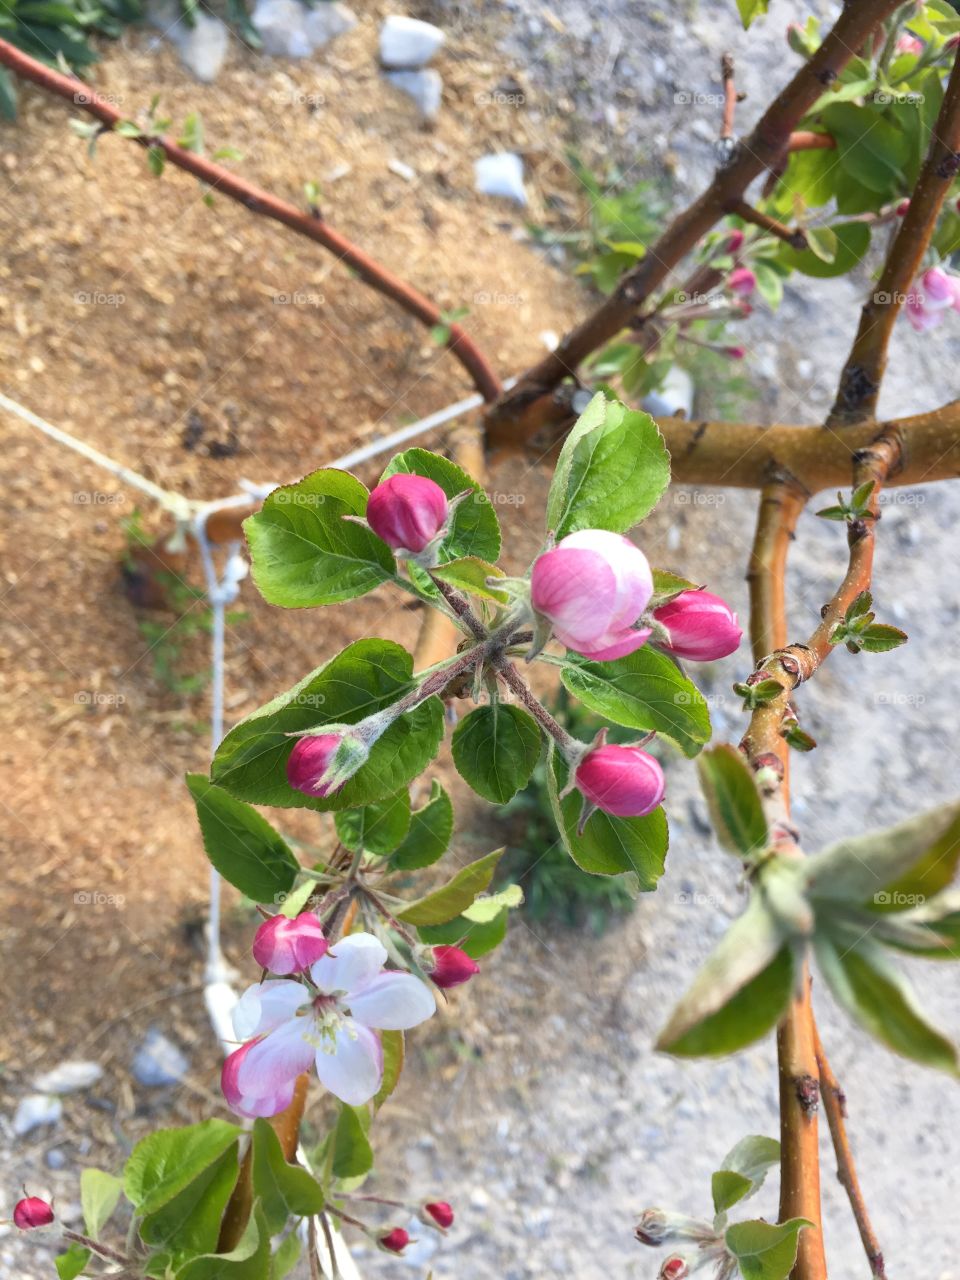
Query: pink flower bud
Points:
[909, 44]
[700, 625]
[395, 1241]
[451, 967]
[674, 1268]
[309, 761]
[407, 512]
[902, 207]
[287, 946]
[952, 43]
[32, 1212]
[734, 242]
[624, 781]
[734, 353]
[741, 281]
[593, 586]
[440, 1212]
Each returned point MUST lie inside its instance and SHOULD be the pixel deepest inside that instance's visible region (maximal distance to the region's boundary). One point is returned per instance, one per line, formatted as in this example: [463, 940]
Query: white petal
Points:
[265, 1005]
[352, 1066]
[277, 1059]
[393, 1002]
[350, 963]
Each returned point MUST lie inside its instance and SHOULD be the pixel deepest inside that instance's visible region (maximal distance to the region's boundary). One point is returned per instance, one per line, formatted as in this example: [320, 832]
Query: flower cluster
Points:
[933, 294]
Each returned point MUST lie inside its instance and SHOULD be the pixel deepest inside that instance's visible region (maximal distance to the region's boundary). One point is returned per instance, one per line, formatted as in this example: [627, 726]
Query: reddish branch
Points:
[760, 151]
[860, 381]
[795, 238]
[835, 1105]
[806, 140]
[729, 96]
[261, 202]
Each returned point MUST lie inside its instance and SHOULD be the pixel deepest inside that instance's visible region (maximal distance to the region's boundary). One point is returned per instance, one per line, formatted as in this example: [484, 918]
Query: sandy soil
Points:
[537, 1106]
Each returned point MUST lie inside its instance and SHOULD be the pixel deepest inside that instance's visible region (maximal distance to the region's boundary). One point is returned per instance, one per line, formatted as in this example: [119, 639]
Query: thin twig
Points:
[835, 1105]
[261, 202]
[860, 381]
[796, 238]
[729, 95]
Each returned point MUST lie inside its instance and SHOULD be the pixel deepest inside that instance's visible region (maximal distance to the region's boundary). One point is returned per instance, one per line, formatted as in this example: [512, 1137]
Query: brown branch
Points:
[261, 202]
[807, 140]
[862, 374]
[795, 238]
[781, 502]
[729, 95]
[759, 151]
[835, 1105]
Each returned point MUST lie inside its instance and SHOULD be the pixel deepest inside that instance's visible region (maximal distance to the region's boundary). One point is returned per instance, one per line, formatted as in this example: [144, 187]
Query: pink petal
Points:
[352, 1066]
[576, 589]
[626, 643]
[266, 1005]
[631, 571]
[247, 1105]
[350, 963]
[393, 1002]
[276, 1060]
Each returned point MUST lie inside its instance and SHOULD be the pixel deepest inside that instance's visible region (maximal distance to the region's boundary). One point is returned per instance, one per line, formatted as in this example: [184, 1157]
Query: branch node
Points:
[807, 1089]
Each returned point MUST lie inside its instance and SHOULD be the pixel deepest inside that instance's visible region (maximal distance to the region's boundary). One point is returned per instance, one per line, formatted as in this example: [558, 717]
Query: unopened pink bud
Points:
[32, 1212]
[902, 207]
[674, 1268]
[700, 625]
[395, 1241]
[734, 241]
[734, 353]
[285, 946]
[741, 281]
[909, 44]
[593, 586]
[451, 967]
[440, 1212]
[407, 512]
[952, 42]
[624, 781]
[309, 761]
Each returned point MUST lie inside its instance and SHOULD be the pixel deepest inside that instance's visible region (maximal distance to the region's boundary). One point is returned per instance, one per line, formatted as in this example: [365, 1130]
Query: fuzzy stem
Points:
[104, 1251]
[516, 682]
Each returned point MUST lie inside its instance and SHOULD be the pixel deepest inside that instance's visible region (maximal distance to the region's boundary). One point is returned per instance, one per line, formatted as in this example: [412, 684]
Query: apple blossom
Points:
[451, 966]
[933, 293]
[734, 241]
[309, 762]
[742, 281]
[908, 43]
[32, 1212]
[623, 781]
[395, 1241]
[440, 1212]
[407, 512]
[285, 946]
[593, 586]
[699, 626]
[328, 1022]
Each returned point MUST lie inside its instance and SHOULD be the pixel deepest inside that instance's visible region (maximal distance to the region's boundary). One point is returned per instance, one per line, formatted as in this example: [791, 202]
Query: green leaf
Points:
[496, 749]
[871, 150]
[475, 530]
[476, 938]
[241, 844]
[470, 574]
[366, 677]
[283, 1189]
[765, 1250]
[165, 1162]
[879, 637]
[743, 1170]
[733, 801]
[393, 1055]
[156, 160]
[303, 550]
[99, 1196]
[430, 830]
[751, 9]
[455, 896]
[72, 1262]
[285, 1257]
[864, 982]
[352, 1153]
[8, 111]
[823, 243]
[740, 993]
[611, 473]
[892, 867]
[189, 1224]
[379, 827]
[666, 585]
[645, 690]
[853, 241]
[250, 1260]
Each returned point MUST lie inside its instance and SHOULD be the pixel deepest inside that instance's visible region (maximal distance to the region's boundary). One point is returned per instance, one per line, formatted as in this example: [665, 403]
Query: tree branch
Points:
[261, 202]
[760, 151]
[862, 374]
[835, 1105]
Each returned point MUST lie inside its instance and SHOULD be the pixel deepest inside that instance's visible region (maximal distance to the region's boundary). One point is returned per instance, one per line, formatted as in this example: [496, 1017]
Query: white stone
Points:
[408, 42]
[500, 174]
[402, 170]
[69, 1077]
[424, 87]
[676, 396]
[34, 1110]
[202, 47]
[291, 29]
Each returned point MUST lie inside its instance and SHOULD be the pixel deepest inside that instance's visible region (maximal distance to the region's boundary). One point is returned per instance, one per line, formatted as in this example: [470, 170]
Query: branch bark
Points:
[863, 373]
[262, 202]
[760, 151]
[835, 1105]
